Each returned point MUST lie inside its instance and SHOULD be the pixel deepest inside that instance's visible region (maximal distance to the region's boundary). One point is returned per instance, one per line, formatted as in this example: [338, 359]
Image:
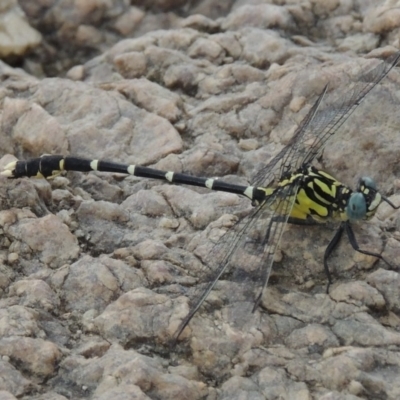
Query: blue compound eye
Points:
[368, 182]
[356, 207]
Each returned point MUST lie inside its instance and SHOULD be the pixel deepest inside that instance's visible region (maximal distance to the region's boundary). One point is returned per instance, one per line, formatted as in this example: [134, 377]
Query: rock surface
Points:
[17, 37]
[96, 269]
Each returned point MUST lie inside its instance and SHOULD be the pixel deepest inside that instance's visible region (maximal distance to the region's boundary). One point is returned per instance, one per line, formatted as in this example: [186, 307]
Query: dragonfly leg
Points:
[293, 221]
[307, 222]
[331, 246]
[272, 220]
[354, 244]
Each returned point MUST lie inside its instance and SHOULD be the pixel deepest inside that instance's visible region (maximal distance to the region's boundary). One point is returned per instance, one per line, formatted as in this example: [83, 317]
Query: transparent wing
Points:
[284, 202]
[245, 253]
[324, 119]
[265, 176]
[340, 105]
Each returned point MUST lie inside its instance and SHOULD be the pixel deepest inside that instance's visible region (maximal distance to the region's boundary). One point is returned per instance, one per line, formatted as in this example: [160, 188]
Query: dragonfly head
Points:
[363, 202]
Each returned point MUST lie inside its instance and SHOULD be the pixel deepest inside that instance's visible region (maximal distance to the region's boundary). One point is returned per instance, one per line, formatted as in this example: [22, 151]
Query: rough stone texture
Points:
[17, 37]
[96, 269]
[12, 381]
[21, 349]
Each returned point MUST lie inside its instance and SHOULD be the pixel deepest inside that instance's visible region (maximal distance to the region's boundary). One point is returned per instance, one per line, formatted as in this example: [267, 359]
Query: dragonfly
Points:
[289, 189]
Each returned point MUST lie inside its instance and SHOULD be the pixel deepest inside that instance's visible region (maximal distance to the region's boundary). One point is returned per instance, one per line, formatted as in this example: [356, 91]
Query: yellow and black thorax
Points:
[321, 197]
